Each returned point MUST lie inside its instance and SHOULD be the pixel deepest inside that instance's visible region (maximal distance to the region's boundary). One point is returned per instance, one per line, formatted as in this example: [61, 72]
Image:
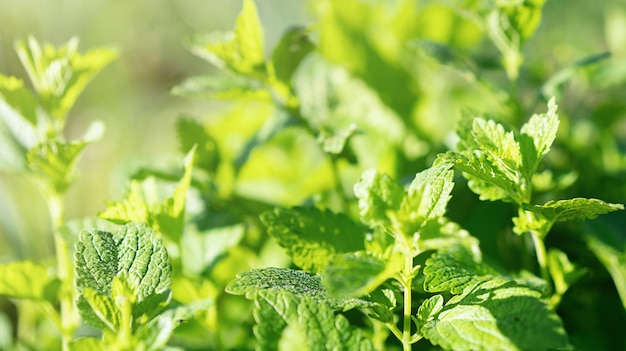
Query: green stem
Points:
[338, 186]
[540, 251]
[406, 323]
[65, 268]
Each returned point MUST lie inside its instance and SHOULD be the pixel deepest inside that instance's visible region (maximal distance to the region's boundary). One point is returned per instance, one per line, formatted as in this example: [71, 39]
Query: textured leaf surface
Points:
[537, 136]
[496, 315]
[377, 194]
[285, 322]
[298, 283]
[447, 272]
[312, 236]
[573, 209]
[130, 264]
[359, 273]
[426, 198]
[28, 280]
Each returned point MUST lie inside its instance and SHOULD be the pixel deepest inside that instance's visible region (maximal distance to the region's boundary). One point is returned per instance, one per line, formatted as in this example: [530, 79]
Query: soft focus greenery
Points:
[293, 116]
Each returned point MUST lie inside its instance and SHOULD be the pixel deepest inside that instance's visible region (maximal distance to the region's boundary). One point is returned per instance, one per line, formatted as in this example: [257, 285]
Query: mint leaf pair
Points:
[293, 310]
[123, 279]
[486, 312]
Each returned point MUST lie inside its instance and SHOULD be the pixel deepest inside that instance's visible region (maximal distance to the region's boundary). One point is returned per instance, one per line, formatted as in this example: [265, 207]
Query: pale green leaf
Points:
[60, 74]
[224, 87]
[536, 138]
[312, 237]
[170, 216]
[359, 273]
[132, 209]
[242, 50]
[428, 310]
[426, 198]
[298, 283]
[101, 307]
[573, 209]
[500, 147]
[563, 272]
[18, 111]
[377, 193]
[54, 163]
[496, 314]
[202, 251]
[28, 280]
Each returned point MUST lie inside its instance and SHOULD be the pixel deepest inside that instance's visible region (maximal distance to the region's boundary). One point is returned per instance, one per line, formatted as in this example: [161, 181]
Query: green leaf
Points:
[190, 132]
[377, 193]
[170, 217]
[167, 218]
[60, 74]
[298, 283]
[484, 179]
[28, 280]
[103, 312]
[496, 314]
[374, 56]
[285, 322]
[18, 112]
[608, 245]
[499, 146]
[225, 87]
[202, 251]
[128, 265]
[54, 163]
[443, 235]
[312, 237]
[292, 48]
[454, 273]
[428, 310]
[425, 199]
[132, 209]
[536, 138]
[359, 273]
[562, 271]
[241, 51]
[573, 209]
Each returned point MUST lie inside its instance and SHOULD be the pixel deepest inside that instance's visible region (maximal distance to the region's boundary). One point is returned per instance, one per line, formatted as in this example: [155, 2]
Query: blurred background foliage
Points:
[420, 68]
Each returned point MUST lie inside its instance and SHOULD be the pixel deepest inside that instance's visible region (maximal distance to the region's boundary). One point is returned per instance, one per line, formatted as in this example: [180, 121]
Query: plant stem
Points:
[406, 323]
[69, 314]
[540, 251]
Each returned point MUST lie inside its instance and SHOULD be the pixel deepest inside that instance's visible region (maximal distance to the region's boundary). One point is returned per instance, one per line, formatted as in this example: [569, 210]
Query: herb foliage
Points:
[325, 197]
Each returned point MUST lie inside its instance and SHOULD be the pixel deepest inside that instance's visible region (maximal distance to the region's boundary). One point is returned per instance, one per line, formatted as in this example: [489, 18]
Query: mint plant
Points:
[322, 209]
